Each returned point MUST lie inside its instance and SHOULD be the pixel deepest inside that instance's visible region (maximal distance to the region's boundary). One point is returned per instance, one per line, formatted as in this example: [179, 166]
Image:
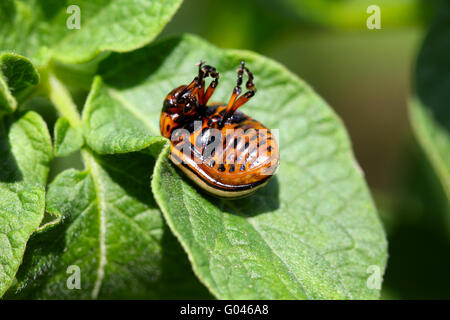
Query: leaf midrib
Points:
[101, 204]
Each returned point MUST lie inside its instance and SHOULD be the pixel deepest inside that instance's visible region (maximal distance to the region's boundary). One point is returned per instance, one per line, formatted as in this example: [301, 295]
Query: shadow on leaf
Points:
[9, 169]
[116, 67]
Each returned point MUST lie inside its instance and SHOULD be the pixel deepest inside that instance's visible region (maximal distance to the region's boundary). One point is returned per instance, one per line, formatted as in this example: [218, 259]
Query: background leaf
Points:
[113, 231]
[7, 102]
[283, 242]
[38, 29]
[25, 155]
[429, 110]
[352, 13]
[17, 74]
[418, 224]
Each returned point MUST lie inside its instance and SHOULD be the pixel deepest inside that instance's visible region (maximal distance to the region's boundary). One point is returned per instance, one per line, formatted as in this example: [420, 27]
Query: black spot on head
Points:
[210, 110]
[167, 105]
[238, 117]
[190, 127]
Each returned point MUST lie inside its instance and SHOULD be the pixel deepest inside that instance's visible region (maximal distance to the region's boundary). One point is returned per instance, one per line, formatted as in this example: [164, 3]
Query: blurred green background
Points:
[365, 75]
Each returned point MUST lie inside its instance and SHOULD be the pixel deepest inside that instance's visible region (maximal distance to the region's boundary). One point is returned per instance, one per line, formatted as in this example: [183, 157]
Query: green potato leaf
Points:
[25, 155]
[429, 108]
[311, 233]
[77, 31]
[111, 232]
[17, 74]
[68, 139]
[113, 125]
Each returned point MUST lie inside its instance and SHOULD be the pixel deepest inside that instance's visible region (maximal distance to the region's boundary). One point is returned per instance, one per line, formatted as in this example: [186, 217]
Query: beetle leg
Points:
[187, 89]
[195, 89]
[246, 96]
[206, 71]
[212, 86]
[234, 104]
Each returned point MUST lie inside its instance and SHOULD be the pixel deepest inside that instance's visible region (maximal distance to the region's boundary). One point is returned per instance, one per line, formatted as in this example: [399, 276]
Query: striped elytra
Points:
[224, 151]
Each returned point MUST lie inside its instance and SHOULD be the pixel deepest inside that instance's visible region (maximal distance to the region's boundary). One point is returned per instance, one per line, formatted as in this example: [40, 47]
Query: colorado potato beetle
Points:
[221, 149]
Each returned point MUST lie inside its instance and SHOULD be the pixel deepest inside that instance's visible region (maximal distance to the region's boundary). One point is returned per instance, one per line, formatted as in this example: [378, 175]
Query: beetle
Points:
[224, 151]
